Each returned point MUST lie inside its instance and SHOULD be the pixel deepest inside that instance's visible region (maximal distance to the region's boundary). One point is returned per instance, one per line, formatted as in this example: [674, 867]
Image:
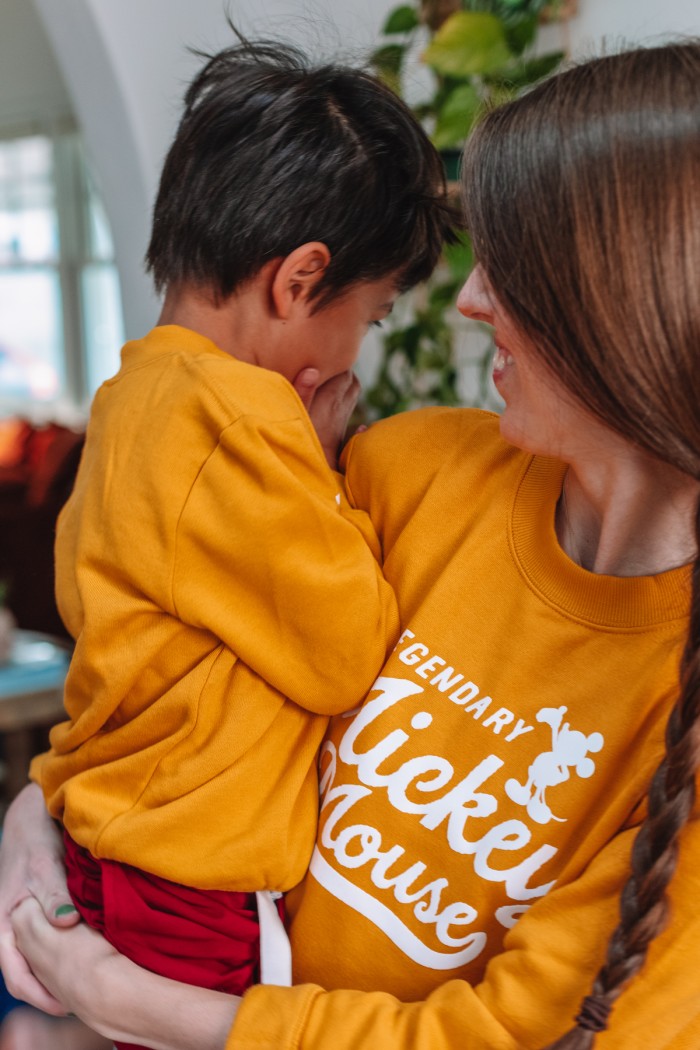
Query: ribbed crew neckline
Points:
[614, 602]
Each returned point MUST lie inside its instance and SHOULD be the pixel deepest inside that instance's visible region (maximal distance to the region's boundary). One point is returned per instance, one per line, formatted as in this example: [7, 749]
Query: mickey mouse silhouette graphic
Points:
[569, 748]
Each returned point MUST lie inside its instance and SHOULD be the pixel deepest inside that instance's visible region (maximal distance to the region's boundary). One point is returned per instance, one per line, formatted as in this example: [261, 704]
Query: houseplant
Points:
[477, 52]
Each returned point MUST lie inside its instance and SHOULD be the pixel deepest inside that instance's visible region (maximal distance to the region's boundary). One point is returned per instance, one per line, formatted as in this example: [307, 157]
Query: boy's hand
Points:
[31, 865]
[329, 406]
[306, 385]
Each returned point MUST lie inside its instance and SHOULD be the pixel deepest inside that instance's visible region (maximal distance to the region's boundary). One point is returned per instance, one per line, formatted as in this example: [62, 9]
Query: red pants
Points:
[209, 938]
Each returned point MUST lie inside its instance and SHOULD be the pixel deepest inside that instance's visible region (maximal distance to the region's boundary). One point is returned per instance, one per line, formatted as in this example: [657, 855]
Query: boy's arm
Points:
[272, 559]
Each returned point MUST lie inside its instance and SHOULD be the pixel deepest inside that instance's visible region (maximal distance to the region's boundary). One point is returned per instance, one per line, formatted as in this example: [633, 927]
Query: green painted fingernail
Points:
[65, 909]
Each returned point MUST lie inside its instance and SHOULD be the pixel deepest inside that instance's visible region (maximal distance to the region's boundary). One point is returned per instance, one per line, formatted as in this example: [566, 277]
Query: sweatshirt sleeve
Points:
[271, 558]
[531, 991]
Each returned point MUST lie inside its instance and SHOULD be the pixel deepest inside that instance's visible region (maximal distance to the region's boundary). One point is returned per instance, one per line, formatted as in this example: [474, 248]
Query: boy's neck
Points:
[234, 324]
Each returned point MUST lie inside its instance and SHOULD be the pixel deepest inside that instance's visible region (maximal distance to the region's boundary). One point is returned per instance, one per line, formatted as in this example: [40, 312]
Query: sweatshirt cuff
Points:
[272, 1018]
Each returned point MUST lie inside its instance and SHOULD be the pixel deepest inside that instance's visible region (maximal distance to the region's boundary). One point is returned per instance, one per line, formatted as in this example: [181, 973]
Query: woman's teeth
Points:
[501, 359]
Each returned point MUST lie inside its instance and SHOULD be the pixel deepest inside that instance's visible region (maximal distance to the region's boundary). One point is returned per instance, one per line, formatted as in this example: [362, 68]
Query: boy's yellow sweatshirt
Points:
[478, 811]
[225, 599]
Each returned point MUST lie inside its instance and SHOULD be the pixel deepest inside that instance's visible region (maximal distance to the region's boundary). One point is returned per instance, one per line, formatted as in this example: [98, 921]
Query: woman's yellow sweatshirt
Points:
[479, 809]
[225, 599]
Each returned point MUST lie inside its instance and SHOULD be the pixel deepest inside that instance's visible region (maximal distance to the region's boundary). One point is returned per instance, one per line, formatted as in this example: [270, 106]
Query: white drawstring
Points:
[275, 949]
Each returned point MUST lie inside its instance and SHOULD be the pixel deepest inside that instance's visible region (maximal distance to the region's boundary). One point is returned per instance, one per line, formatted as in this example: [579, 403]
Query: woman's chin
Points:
[516, 432]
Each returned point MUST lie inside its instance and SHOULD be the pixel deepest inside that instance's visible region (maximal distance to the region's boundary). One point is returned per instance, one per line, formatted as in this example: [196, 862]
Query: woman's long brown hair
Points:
[583, 201]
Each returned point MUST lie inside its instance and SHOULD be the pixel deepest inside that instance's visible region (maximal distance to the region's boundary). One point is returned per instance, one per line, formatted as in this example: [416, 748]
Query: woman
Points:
[489, 864]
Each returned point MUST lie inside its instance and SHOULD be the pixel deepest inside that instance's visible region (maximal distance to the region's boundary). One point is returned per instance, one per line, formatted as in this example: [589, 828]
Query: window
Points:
[61, 325]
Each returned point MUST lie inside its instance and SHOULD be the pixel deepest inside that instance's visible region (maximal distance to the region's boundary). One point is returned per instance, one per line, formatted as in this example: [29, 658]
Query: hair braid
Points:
[643, 903]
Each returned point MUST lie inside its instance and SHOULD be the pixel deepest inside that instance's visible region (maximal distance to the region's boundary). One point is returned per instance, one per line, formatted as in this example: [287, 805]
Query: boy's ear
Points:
[297, 276]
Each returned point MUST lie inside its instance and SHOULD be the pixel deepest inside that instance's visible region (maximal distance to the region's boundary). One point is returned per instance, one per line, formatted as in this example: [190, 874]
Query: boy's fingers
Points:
[337, 395]
[306, 384]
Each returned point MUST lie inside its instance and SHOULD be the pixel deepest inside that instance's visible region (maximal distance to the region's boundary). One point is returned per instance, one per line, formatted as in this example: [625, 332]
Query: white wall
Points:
[126, 65]
[30, 88]
[31, 85]
[631, 21]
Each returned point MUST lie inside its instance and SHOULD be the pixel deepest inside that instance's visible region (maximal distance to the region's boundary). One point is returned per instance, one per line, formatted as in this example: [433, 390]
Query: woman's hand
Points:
[330, 407]
[114, 996]
[31, 865]
[69, 962]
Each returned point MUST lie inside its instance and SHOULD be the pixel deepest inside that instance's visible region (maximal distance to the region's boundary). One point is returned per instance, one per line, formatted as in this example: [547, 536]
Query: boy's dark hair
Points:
[271, 153]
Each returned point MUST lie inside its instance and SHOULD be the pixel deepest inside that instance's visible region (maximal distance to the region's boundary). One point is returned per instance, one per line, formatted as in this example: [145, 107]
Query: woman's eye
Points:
[376, 324]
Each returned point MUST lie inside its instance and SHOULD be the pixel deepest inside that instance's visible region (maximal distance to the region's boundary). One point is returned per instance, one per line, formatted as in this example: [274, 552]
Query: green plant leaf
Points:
[520, 31]
[440, 297]
[484, 41]
[389, 58]
[521, 74]
[536, 68]
[423, 110]
[401, 20]
[387, 62]
[468, 43]
[456, 116]
[527, 7]
[451, 157]
[459, 258]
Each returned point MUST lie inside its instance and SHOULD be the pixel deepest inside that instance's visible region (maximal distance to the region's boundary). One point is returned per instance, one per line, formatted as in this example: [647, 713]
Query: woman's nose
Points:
[474, 300]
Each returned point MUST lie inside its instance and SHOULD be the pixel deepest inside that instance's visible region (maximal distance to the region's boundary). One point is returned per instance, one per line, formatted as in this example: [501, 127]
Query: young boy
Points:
[224, 598]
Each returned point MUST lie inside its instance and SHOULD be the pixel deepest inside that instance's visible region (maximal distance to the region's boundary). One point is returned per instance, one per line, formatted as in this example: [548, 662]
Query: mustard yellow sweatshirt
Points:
[225, 599]
[478, 811]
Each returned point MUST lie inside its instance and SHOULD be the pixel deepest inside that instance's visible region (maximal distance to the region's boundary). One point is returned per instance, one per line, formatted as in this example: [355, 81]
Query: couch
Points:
[38, 464]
